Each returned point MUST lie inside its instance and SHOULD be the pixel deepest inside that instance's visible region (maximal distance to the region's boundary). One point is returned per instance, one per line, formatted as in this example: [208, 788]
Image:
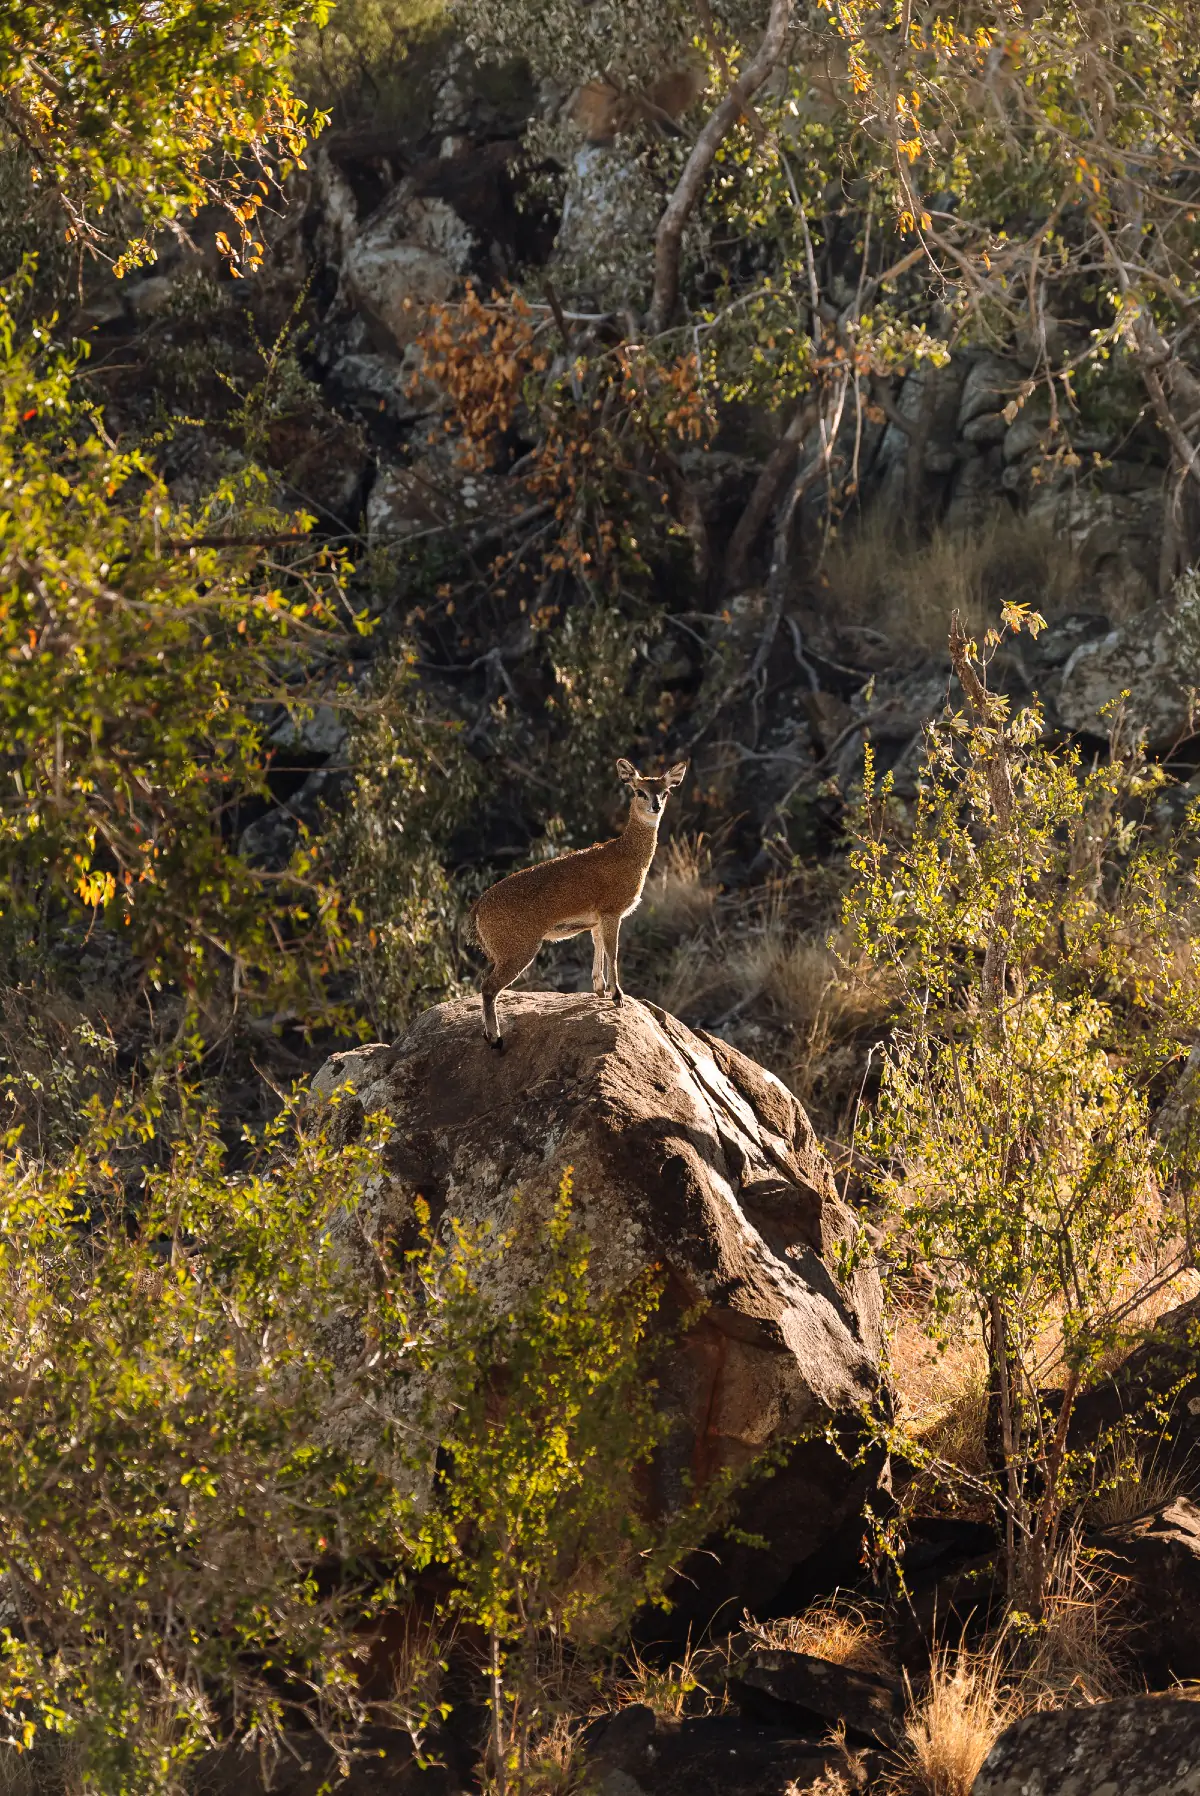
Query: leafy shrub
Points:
[356, 60]
[1033, 930]
[412, 787]
[239, 1423]
[138, 656]
[153, 116]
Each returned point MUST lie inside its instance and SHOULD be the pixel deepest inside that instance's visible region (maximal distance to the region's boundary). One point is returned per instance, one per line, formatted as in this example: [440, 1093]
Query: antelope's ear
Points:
[674, 775]
[628, 771]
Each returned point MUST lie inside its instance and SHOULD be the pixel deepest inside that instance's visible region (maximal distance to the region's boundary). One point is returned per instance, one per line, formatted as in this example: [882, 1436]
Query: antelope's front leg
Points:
[611, 930]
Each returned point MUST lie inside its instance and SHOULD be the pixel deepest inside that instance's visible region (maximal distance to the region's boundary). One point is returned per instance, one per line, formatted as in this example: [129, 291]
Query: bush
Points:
[1034, 931]
[239, 1424]
[412, 787]
[139, 660]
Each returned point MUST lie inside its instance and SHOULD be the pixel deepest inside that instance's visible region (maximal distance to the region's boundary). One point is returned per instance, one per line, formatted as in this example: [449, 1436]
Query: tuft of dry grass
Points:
[1133, 1476]
[555, 1765]
[681, 895]
[909, 589]
[845, 1633]
[693, 1684]
[846, 1779]
[952, 1725]
[1077, 1654]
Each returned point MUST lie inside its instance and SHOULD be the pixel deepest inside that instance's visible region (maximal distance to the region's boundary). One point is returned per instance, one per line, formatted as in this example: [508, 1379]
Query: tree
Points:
[136, 648]
[1048, 164]
[134, 120]
[1035, 934]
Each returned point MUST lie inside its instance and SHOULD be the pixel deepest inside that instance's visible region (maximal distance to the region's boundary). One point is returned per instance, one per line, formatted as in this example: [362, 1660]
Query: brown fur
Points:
[600, 110]
[590, 889]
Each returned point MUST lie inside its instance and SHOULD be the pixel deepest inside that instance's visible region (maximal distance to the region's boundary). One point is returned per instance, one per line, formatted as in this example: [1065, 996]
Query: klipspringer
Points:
[590, 889]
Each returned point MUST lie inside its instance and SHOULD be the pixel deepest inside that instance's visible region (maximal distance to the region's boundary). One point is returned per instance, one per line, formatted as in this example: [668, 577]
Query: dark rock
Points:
[688, 1157]
[379, 386]
[953, 1601]
[940, 1540]
[268, 841]
[637, 1753]
[1159, 1555]
[1160, 1378]
[799, 1687]
[1055, 646]
[894, 711]
[383, 1765]
[988, 388]
[1140, 1746]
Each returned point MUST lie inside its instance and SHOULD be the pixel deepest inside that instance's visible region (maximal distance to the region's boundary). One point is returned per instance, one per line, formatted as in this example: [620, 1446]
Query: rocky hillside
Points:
[782, 1383]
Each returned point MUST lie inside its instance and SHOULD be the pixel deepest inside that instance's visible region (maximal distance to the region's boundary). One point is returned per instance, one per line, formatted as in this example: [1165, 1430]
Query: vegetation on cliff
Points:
[403, 412]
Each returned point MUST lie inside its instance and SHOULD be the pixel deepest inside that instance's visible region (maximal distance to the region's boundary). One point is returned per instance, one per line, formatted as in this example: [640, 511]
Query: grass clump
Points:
[952, 1724]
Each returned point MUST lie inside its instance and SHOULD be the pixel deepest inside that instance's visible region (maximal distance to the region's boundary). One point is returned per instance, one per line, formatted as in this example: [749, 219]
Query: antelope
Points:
[589, 889]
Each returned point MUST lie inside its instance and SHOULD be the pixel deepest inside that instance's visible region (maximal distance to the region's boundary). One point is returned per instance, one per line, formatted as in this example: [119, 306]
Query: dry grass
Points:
[846, 1779]
[1134, 1475]
[844, 1633]
[1077, 1655]
[681, 895]
[952, 1725]
[908, 590]
[555, 1765]
[693, 1684]
[942, 1397]
[760, 973]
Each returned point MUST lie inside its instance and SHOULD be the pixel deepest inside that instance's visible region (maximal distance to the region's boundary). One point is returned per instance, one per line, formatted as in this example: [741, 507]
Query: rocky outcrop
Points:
[1155, 658]
[1141, 1746]
[635, 1752]
[1157, 1559]
[689, 1157]
[409, 256]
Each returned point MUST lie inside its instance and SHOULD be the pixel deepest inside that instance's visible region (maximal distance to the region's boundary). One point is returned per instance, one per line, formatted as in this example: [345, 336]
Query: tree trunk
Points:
[775, 471]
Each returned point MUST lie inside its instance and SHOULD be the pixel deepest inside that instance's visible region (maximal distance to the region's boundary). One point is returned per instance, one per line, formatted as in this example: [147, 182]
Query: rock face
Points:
[637, 1753]
[408, 257]
[1141, 1746]
[1159, 1555]
[686, 1156]
[1156, 659]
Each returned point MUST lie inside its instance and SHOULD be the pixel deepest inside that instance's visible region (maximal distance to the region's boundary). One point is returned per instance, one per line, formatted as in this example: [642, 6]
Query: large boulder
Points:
[1140, 1746]
[1155, 658]
[410, 255]
[1157, 1558]
[689, 1157]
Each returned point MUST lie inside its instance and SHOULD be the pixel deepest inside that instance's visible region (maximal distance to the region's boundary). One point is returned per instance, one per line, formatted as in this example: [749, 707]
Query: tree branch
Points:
[669, 238]
[774, 472]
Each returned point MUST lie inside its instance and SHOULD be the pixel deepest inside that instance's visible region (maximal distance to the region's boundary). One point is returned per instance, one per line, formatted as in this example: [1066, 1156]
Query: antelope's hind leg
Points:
[499, 976]
[599, 969]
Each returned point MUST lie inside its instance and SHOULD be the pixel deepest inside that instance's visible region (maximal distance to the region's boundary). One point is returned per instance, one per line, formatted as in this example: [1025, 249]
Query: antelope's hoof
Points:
[618, 996]
[498, 1044]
